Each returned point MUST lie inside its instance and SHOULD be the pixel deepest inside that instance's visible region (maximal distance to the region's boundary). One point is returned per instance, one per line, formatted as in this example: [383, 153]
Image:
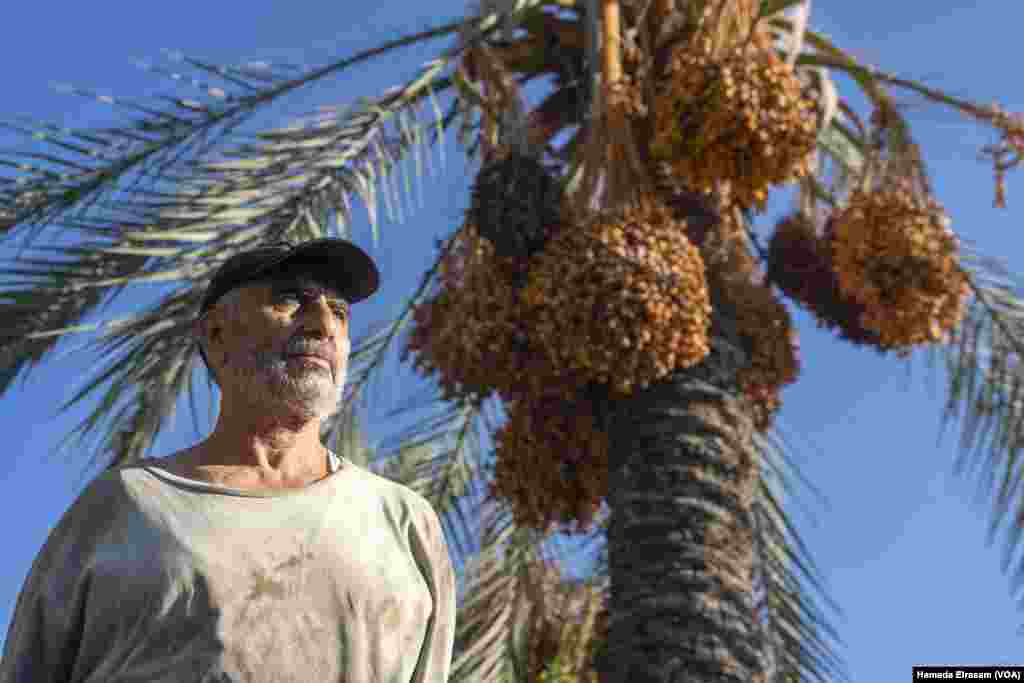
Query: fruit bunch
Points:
[515, 204]
[620, 300]
[740, 116]
[551, 462]
[894, 254]
[800, 264]
[471, 332]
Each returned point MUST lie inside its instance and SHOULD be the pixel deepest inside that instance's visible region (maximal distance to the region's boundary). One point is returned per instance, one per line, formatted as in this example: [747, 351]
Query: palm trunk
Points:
[682, 480]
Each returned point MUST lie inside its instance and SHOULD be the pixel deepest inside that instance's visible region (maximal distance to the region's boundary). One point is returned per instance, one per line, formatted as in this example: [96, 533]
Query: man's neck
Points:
[280, 458]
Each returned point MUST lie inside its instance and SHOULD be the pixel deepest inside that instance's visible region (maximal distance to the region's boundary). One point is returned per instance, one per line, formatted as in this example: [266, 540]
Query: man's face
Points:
[266, 343]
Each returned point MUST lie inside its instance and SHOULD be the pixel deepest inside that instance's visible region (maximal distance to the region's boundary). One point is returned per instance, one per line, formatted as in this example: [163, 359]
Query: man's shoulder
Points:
[394, 491]
[105, 484]
[114, 486]
[94, 509]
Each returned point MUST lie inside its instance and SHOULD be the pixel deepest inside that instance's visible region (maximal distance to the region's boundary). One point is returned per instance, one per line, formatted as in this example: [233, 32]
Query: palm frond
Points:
[147, 148]
[986, 395]
[484, 645]
[871, 81]
[51, 297]
[796, 632]
[146, 381]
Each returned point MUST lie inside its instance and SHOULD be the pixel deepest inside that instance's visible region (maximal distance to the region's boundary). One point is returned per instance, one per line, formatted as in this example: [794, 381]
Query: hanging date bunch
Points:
[515, 201]
[551, 462]
[800, 264]
[621, 299]
[470, 333]
[515, 204]
[736, 112]
[894, 254]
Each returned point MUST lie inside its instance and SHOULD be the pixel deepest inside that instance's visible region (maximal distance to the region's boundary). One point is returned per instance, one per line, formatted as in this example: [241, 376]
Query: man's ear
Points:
[205, 327]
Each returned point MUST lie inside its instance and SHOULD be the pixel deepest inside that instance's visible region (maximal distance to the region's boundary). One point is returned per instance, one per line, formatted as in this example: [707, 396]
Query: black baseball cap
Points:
[334, 261]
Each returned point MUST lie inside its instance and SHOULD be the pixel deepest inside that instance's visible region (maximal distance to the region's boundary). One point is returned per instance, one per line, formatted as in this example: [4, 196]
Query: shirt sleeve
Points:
[43, 636]
[431, 553]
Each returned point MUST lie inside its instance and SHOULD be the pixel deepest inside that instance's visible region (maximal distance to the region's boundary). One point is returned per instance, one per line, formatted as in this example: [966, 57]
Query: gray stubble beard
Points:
[296, 392]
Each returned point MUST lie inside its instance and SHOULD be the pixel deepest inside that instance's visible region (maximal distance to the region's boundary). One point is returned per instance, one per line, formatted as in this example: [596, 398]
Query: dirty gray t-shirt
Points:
[152, 577]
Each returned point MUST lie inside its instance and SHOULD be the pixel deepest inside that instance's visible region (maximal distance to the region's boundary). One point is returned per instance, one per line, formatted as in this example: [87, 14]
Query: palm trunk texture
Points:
[682, 481]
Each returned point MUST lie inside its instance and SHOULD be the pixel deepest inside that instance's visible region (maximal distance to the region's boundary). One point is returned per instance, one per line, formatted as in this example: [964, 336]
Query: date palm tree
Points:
[702, 577]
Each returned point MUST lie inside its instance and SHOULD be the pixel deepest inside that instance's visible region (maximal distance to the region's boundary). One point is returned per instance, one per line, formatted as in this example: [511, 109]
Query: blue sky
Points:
[900, 544]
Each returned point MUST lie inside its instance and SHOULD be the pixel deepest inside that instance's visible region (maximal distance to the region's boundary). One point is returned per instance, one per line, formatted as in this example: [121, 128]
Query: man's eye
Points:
[339, 309]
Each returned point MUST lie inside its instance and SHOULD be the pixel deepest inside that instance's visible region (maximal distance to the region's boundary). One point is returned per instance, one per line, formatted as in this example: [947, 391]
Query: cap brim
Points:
[338, 262]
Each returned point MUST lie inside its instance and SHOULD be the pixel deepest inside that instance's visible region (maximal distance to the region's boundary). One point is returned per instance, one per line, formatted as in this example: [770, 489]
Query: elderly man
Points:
[257, 554]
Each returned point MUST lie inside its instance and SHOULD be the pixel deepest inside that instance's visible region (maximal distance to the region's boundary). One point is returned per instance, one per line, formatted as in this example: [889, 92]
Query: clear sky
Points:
[900, 544]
